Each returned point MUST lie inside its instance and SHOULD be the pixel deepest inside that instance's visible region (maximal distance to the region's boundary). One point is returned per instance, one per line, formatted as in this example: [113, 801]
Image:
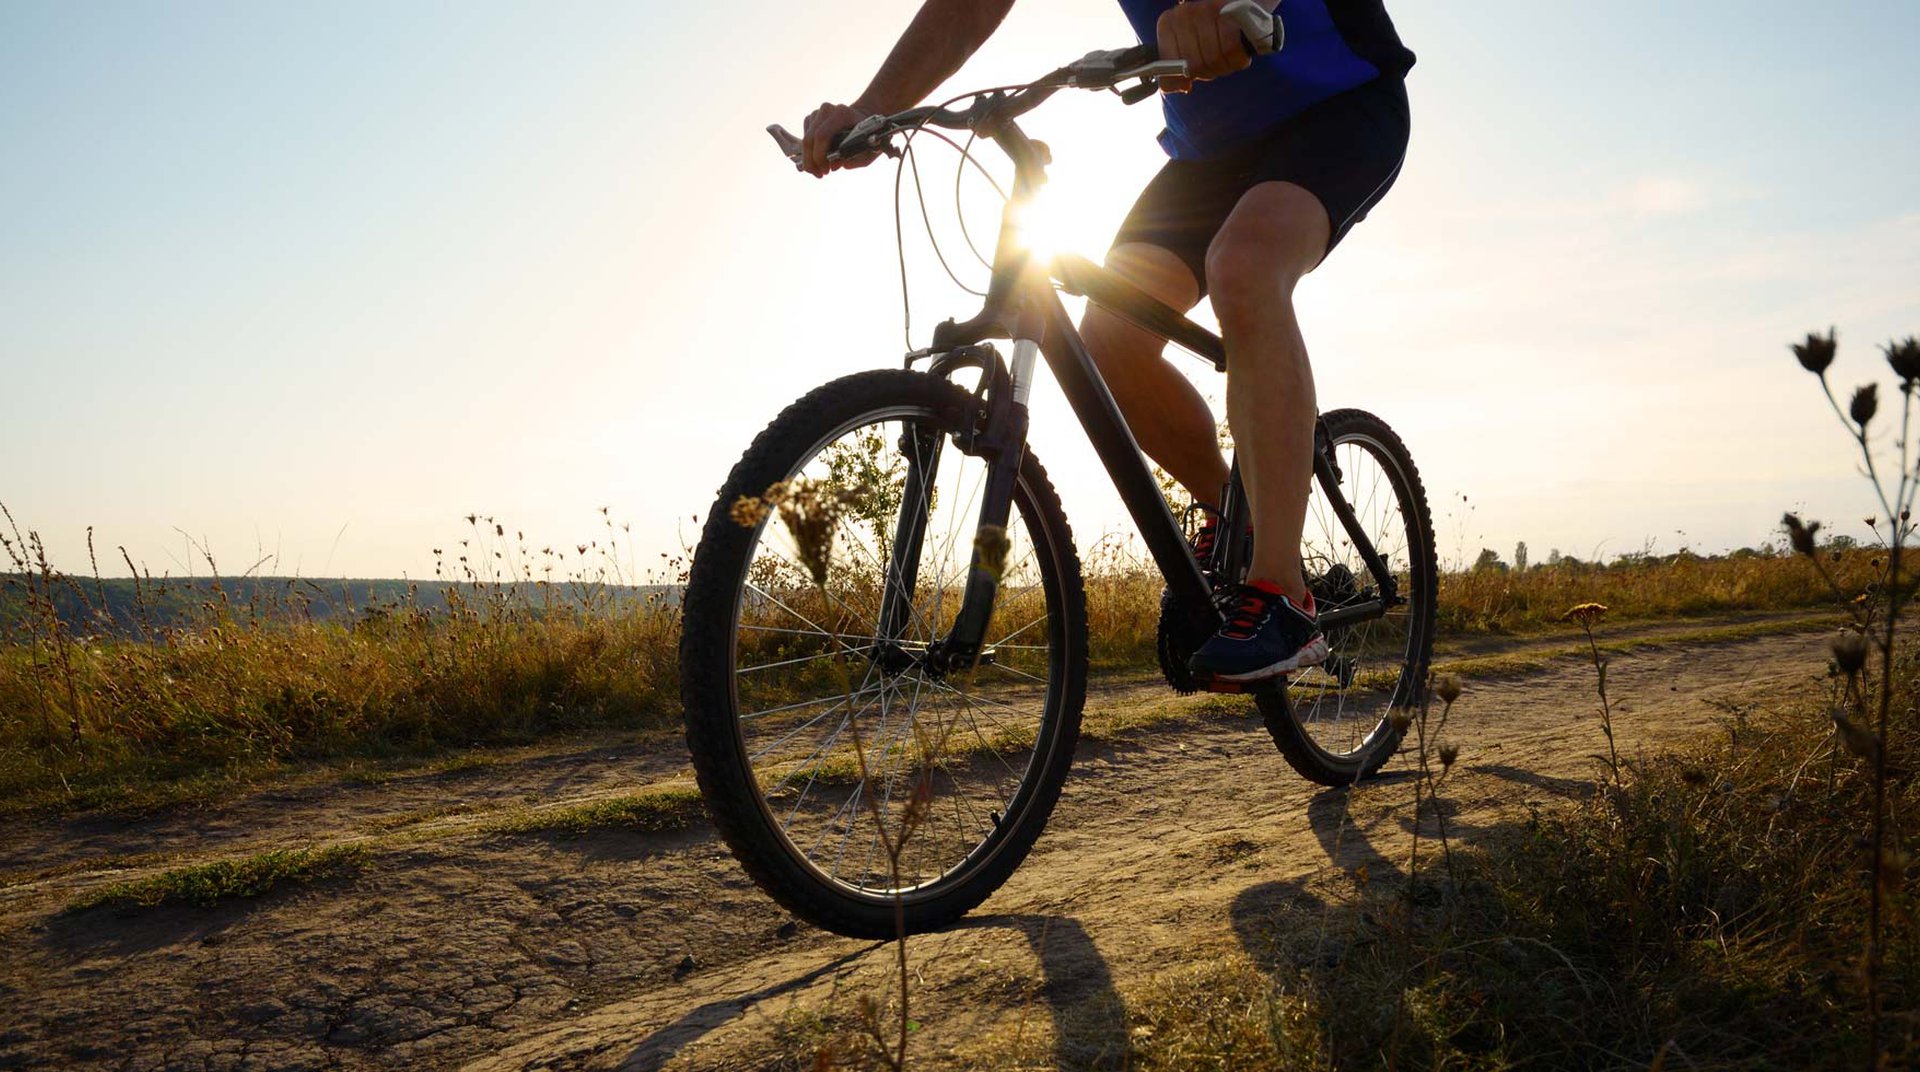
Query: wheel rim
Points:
[1342, 705]
[950, 759]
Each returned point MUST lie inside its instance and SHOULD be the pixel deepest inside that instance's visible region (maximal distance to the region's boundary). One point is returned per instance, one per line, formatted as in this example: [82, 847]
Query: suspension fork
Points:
[994, 429]
[1001, 438]
[922, 445]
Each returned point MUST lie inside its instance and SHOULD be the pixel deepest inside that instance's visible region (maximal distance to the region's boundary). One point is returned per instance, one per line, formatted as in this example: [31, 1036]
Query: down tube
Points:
[1091, 401]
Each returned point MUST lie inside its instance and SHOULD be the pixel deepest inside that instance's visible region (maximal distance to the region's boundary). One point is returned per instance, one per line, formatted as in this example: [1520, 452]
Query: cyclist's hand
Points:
[827, 122]
[1211, 44]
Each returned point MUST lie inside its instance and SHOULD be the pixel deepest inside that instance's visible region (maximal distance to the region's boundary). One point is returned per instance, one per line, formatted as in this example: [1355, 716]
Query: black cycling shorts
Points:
[1346, 151]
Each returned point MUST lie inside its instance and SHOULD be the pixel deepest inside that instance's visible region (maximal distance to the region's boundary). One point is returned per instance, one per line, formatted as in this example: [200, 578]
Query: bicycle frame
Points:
[1023, 306]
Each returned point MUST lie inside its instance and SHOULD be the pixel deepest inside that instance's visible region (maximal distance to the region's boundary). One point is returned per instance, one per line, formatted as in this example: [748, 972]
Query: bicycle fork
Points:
[996, 431]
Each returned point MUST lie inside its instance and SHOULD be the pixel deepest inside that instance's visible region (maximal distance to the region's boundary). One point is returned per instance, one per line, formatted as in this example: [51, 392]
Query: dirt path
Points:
[623, 949]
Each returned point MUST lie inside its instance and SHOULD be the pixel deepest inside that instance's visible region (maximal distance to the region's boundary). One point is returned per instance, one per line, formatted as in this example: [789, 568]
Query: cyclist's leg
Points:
[1319, 174]
[1168, 416]
[1274, 236]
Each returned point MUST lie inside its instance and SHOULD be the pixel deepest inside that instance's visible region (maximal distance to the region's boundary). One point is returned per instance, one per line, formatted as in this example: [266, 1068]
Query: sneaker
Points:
[1208, 537]
[1205, 539]
[1265, 636]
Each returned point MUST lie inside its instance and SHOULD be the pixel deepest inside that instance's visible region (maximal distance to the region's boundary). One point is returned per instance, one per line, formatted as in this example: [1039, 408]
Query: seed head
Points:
[1817, 352]
[1866, 401]
[1853, 738]
[748, 511]
[1447, 687]
[1904, 358]
[1585, 613]
[1448, 753]
[811, 511]
[1800, 533]
[990, 548]
[1400, 719]
[1849, 652]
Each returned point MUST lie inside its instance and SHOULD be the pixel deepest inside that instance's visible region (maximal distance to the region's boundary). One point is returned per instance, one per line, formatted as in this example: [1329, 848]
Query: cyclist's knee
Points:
[1276, 235]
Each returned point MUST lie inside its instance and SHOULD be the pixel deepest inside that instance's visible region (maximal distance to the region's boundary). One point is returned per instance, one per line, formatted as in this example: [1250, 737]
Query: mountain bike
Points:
[884, 653]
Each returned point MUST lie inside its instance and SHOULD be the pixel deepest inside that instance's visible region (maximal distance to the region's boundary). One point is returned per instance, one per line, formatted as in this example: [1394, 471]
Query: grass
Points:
[208, 884]
[238, 692]
[1709, 912]
[653, 811]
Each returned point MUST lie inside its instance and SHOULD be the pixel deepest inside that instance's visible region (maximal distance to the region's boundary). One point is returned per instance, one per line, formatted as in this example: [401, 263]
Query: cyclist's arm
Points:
[940, 38]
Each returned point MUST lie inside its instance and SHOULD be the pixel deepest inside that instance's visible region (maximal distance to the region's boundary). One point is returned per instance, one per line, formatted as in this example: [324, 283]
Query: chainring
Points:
[1175, 645]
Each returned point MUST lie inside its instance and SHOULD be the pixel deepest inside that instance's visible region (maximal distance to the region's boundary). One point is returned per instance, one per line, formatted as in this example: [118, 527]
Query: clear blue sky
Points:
[318, 280]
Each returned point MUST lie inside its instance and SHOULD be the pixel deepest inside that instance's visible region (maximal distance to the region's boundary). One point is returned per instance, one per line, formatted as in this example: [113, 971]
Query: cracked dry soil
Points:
[623, 949]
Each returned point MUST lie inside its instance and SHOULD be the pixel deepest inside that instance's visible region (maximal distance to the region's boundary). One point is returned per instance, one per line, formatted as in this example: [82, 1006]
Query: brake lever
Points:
[792, 147]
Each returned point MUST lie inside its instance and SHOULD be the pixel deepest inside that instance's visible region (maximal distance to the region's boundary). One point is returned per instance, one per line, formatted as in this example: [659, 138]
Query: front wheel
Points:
[854, 771]
[1332, 722]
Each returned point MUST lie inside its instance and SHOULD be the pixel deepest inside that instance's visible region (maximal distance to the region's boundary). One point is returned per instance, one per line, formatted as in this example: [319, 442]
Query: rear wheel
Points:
[1332, 721]
[822, 738]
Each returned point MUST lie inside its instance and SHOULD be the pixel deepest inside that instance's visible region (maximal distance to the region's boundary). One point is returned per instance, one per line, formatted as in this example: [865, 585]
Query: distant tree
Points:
[1553, 557]
[1520, 557]
[1489, 560]
[1841, 542]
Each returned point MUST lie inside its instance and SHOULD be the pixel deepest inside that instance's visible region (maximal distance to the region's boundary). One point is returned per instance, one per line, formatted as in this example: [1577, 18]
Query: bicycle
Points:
[942, 634]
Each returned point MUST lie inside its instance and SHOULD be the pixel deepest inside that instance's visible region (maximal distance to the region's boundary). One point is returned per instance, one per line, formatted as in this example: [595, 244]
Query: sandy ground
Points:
[620, 949]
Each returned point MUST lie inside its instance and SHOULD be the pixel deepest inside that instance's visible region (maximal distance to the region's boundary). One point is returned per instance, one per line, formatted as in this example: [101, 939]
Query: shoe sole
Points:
[1313, 653]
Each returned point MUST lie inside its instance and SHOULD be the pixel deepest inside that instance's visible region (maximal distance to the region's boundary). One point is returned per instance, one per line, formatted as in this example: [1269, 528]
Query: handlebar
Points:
[1262, 32]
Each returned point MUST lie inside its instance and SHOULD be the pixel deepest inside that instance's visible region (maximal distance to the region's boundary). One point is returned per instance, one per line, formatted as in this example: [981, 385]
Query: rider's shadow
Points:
[1089, 1019]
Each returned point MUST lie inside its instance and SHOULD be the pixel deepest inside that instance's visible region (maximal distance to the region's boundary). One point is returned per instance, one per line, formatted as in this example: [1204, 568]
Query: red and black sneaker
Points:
[1265, 635]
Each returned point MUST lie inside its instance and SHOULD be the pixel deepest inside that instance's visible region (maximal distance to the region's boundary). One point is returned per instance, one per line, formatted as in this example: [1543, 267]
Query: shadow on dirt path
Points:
[622, 949]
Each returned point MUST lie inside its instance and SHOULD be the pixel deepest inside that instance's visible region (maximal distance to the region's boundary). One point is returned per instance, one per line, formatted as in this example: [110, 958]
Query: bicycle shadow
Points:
[1089, 1018]
[1287, 926]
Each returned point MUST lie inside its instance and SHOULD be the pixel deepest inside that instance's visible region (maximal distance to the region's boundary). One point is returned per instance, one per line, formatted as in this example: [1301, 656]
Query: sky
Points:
[309, 283]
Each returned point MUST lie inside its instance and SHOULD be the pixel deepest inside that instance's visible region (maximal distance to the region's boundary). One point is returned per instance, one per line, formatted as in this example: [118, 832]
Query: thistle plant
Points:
[1585, 615]
[813, 512]
[1866, 636]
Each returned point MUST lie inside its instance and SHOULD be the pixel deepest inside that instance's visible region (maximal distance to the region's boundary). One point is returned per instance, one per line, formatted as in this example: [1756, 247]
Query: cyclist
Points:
[1269, 169]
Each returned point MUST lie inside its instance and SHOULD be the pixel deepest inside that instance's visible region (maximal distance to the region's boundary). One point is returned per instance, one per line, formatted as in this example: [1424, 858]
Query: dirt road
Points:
[622, 949]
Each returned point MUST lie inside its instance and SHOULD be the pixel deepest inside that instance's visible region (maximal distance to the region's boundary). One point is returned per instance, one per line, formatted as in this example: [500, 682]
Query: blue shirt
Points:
[1331, 46]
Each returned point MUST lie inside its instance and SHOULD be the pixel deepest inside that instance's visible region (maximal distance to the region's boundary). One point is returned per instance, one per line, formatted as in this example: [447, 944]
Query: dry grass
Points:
[235, 691]
[653, 811]
[533, 642]
[208, 884]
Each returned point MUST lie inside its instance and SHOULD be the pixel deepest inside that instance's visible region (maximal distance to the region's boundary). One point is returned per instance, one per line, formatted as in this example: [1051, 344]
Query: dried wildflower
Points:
[1585, 613]
[1447, 687]
[1800, 533]
[1448, 753]
[811, 511]
[1817, 352]
[1866, 402]
[1903, 356]
[990, 549]
[1853, 738]
[748, 511]
[1400, 720]
[1849, 652]
[1694, 776]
